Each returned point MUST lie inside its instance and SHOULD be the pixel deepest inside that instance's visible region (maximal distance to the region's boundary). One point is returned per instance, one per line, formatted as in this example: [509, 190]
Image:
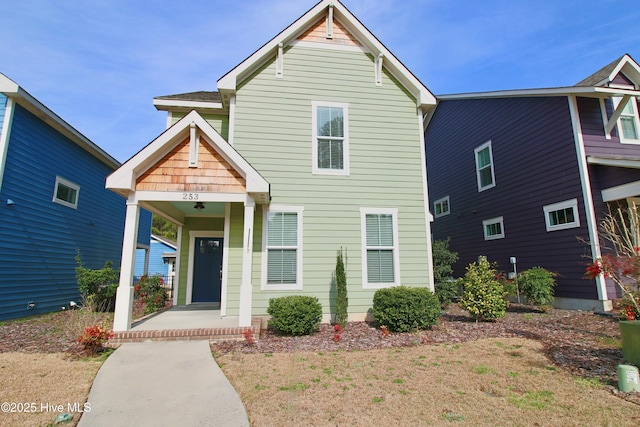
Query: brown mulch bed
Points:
[583, 343]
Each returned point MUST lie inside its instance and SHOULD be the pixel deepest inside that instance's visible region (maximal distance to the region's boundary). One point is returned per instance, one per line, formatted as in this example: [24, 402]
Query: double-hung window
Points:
[380, 247]
[484, 167]
[441, 207]
[562, 215]
[66, 192]
[493, 228]
[628, 123]
[330, 138]
[282, 237]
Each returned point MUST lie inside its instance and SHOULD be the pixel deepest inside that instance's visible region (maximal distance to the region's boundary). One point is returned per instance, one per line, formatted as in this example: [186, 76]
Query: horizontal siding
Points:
[220, 122]
[39, 238]
[593, 132]
[535, 165]
[156, 263]
[274, 133]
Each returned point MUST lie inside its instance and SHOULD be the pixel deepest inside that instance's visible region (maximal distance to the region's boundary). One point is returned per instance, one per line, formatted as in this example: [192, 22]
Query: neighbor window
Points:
[66, 192]
[282, 263]
[628, 125]
[484, 167]
[330, 138]
[380, 247]
[493, 228]
[563, 215]
[441, 207]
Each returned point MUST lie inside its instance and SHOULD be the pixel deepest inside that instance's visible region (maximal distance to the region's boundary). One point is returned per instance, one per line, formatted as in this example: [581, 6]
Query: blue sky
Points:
[98, 64]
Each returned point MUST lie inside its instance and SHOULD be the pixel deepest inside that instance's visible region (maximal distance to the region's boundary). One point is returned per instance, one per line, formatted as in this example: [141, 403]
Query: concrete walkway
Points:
[167, 383]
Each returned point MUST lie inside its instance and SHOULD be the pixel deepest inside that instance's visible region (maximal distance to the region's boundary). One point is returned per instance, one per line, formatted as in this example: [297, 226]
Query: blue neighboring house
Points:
[52, 204]
[158, 260]
[531, 173]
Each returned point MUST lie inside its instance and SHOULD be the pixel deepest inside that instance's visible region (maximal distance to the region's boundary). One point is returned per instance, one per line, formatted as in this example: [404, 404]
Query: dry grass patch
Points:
[486, 382]
[44, 379]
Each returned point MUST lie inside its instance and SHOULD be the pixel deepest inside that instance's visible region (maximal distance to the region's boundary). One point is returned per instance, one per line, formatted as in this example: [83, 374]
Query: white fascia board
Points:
[629, 68]
[168, 104]
[22, 97]
[620, 163]
[631, 189]
[600, 92]
[424, 98]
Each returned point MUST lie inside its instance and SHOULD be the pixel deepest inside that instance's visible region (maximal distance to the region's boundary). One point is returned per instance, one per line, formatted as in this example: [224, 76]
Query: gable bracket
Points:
[616, 115]
[280, 62]
[378, 70]
[194, 141]
[330, 22]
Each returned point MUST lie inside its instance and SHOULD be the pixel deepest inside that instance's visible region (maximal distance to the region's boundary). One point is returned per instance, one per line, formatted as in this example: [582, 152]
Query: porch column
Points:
[124, 295]
[247, 264]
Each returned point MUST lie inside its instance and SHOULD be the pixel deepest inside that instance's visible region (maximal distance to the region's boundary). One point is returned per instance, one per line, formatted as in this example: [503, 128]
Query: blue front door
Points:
[207, 270]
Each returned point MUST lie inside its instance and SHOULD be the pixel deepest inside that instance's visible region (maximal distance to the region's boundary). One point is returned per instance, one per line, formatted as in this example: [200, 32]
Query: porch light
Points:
[198, 206]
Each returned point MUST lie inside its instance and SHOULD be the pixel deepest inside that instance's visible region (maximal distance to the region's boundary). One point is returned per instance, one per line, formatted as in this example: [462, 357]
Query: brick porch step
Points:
[211, 334]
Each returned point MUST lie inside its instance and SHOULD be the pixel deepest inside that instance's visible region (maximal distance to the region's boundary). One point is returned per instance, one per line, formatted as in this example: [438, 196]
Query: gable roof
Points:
[228, 83]
[123, 180]
[12, 90]
[605, 76]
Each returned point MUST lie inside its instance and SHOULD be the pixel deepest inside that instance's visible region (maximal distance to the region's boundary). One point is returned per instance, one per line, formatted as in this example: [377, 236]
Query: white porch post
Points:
[247, 264]
[124, 295]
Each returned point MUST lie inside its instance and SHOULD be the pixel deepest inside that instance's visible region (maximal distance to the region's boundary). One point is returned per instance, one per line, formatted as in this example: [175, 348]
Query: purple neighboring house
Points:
[531, 173]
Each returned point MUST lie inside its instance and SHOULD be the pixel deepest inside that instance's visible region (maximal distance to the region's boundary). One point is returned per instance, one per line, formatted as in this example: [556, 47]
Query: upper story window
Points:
[330, 138]
[562, 215]
[380, 247]
[66, 192]
[282, 266]
[484, 167]
[441, 207]
[628, 124]
[493, 228]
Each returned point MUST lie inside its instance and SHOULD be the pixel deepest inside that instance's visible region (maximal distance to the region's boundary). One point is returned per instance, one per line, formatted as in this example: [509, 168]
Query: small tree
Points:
[483, 296]
[342, 301]
[446, 288]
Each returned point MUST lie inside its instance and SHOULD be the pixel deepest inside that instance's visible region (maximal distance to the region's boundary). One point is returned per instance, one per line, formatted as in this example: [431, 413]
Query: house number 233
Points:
[190, 196]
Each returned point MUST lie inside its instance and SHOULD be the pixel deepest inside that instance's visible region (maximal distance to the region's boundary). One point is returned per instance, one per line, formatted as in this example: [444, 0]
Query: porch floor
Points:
[187, 322]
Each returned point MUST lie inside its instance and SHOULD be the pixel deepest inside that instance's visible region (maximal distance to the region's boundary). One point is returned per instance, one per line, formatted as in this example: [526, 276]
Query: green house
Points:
[312, 144]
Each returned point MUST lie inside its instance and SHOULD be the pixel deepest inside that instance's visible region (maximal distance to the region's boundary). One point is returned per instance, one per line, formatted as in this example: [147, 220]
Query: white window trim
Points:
[72, 185]
[636, 121]
[475, 160]
[495, 220]
[573, 203]
[263, 279]
[345, 142]
[396, 247]
[440, 201]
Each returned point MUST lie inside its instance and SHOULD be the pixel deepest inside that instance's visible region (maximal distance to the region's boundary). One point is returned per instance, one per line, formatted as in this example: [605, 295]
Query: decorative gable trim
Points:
[228, 83]
[123, 180]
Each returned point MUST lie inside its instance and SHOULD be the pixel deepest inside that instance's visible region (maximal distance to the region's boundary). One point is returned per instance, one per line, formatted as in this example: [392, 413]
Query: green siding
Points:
[220, 122]
[274, 133]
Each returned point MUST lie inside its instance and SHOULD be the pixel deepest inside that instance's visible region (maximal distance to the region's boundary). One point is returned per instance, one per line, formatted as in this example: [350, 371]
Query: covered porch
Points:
[191, 176]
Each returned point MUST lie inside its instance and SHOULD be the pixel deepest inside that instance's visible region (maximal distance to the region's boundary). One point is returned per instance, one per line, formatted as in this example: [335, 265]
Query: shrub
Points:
[152, 292]
[537, 286]
[445, 286]
[93, 338]
[97, 287]
[483, 296]
[342, 301]
[404, 309]
[295, 314]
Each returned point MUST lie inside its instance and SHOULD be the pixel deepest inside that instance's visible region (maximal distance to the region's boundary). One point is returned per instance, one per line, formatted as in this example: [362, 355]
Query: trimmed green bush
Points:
[446, 288]
[483, 296]
[404, 309]
[342, 301]
[295, 314]
[537, 286]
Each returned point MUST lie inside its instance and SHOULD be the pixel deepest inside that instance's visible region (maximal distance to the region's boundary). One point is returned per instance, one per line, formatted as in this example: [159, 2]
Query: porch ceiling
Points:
[179, 211]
